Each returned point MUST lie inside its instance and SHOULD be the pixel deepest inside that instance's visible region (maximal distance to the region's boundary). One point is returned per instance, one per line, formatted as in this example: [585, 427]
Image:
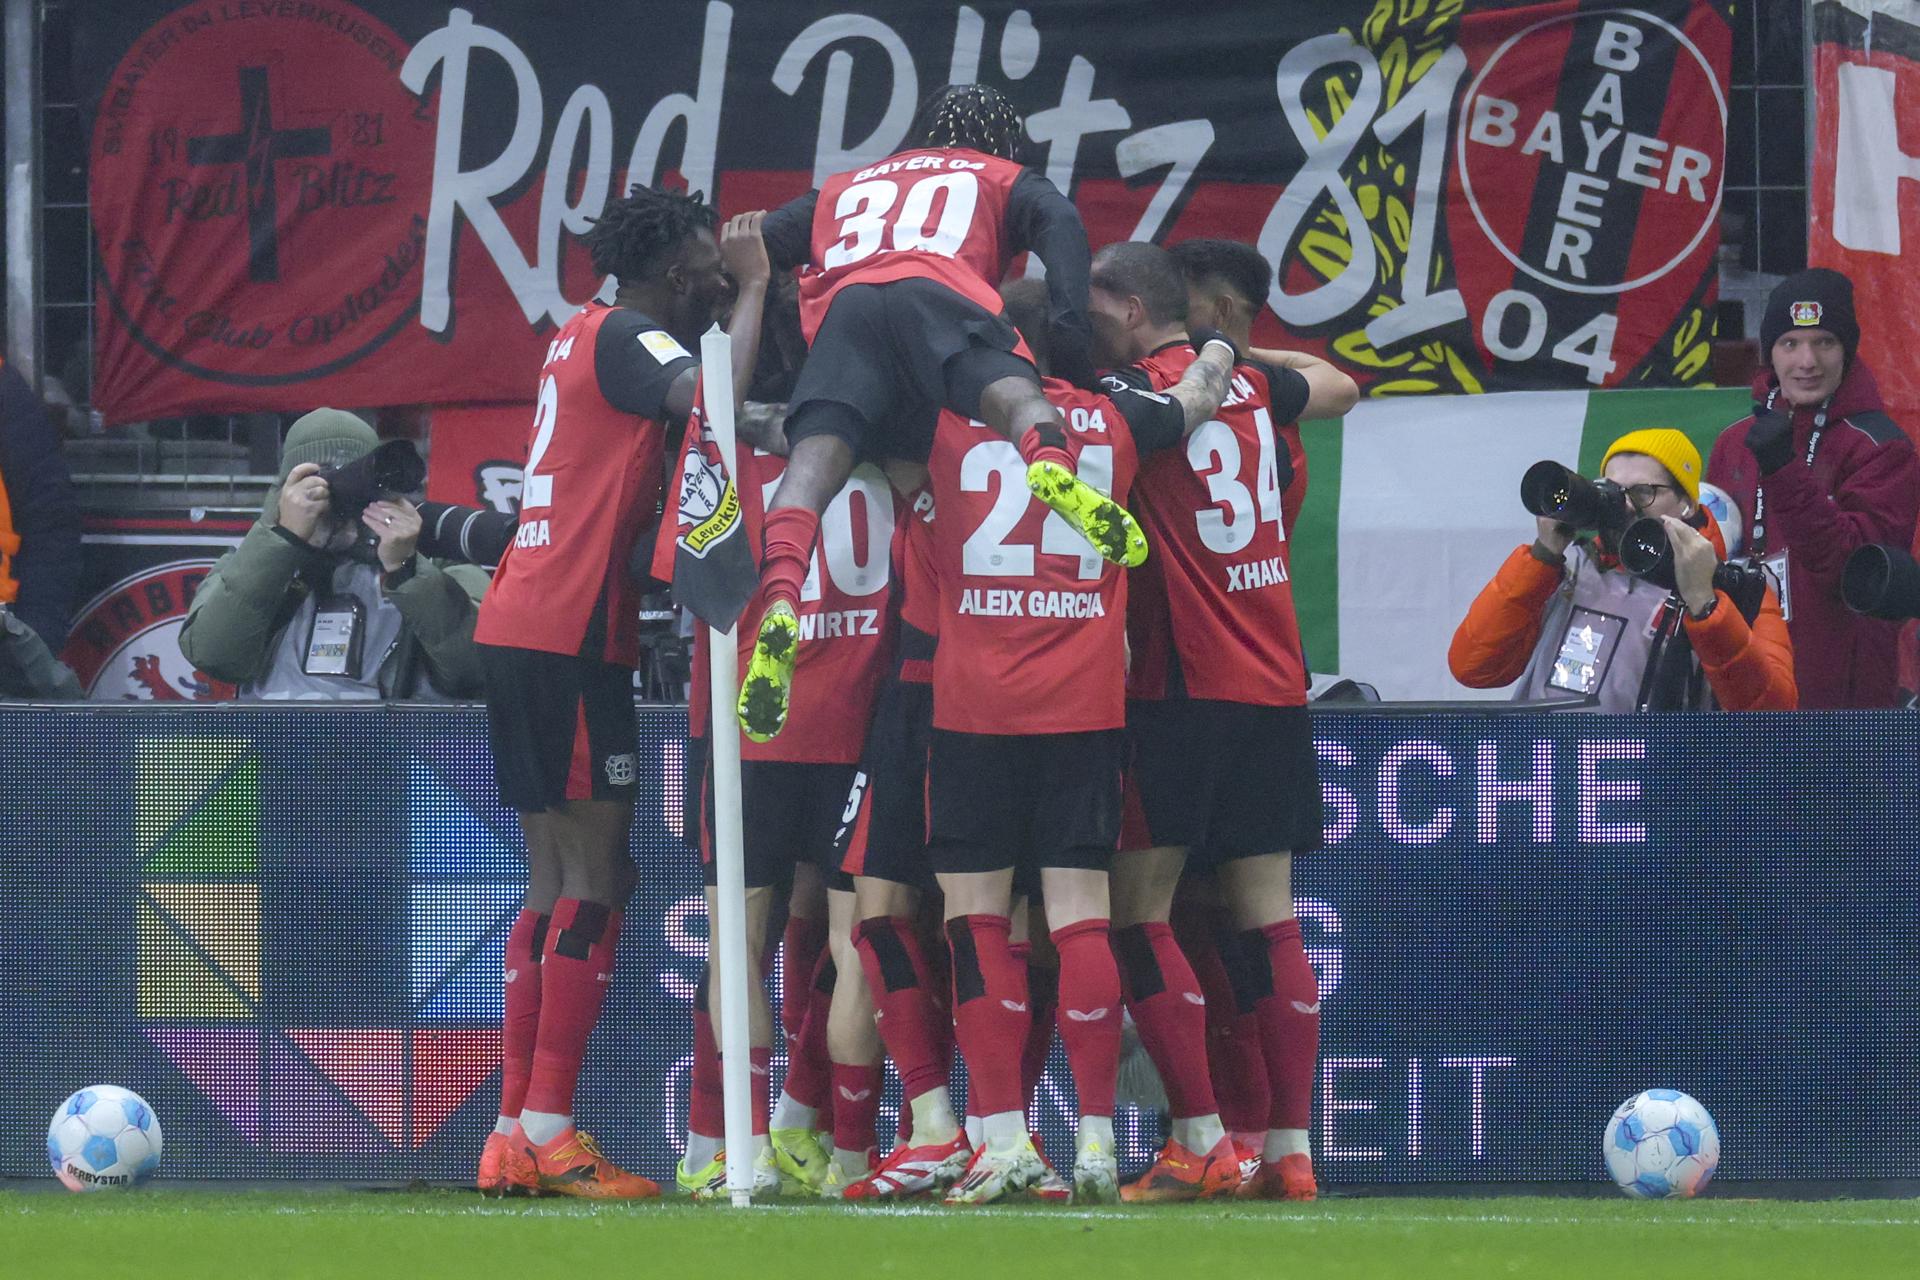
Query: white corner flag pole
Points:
[728, 942]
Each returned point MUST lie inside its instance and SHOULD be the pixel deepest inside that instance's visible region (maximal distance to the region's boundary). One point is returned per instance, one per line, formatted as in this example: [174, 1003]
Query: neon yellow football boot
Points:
[769, 675]
[1099, 519]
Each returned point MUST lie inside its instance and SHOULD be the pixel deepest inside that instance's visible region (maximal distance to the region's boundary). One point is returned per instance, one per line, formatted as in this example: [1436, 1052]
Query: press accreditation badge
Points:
[1589, 645]
[333, 643]
[1776, 567]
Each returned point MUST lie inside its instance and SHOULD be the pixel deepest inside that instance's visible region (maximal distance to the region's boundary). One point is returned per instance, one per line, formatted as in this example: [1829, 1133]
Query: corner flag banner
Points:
[713, 570]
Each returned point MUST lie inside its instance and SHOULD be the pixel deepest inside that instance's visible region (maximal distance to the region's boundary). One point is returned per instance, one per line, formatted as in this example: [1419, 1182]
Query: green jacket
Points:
[240, 614]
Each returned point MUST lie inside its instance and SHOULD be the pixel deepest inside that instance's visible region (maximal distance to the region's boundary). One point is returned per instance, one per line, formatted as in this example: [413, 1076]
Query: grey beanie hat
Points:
[328, 437]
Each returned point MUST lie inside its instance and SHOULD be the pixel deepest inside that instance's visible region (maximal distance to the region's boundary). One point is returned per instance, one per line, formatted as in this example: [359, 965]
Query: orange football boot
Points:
[489, 1179]
[571, 1165]
[1179, 1174]
[1289, 1178]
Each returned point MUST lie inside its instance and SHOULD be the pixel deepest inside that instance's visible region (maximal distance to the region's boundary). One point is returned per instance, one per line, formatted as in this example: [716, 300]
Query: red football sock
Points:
[990, 1010]
[521, 1026]
[856, 1106]
[759, 1069]
[787, 550]
[1289, 1025]
[1043, 991]
[1090, 1012]
[1045, 442]
[808, 1064]
[706, 1094]
[903, 992]
[1234, 1062]
[575, 972]
[801, 947]
[1164, 997]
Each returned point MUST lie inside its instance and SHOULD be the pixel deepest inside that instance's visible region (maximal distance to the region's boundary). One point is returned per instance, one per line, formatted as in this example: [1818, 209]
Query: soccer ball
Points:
[104, 1137]
[1662, 1144]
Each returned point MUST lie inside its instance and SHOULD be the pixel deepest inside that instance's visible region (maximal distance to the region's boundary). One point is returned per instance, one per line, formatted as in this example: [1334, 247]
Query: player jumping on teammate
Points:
[899, 305]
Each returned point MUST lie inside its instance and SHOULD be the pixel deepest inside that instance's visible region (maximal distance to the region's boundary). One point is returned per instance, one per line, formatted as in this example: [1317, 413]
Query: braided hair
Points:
[973, 116]
[634, 238]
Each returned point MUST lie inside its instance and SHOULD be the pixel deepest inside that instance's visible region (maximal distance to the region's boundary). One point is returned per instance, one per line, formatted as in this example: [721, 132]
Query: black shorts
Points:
[789, 813]
[561, 727]
[1041, 800]
[883, 830]
[896, 354]
[1225, 780]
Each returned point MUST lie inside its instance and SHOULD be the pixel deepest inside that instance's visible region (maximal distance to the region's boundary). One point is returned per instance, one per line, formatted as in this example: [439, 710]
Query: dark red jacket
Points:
[1863, 487]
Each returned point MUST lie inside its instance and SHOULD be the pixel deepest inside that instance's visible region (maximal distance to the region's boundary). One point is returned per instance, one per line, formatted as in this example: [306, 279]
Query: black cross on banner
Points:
[257, 146]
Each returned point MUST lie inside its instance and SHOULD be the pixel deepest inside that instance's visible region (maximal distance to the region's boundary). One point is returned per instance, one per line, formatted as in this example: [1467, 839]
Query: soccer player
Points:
[894, 987]
[1227, 285]
[1223, 759]
[1025, 754]
[793, 791]
[899, 306]
[559, 640]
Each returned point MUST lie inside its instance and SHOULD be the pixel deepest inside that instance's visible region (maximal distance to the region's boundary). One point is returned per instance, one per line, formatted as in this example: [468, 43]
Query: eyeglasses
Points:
[1643, 494]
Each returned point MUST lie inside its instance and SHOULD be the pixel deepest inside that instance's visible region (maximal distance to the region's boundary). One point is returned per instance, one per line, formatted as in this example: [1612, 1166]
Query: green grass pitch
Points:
[296, 1232]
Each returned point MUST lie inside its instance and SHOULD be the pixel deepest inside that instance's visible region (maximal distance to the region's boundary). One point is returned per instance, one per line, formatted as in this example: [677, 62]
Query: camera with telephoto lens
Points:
[1554, 492]
[1882, 582]
[471, 535]
[1646, 552]
[392, 469]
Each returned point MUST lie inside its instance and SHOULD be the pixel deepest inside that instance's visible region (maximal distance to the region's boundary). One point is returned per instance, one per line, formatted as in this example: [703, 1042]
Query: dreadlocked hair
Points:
[973, 116]
[634, 238]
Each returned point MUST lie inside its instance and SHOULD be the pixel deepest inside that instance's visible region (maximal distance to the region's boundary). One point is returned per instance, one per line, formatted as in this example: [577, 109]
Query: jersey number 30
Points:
[863, 208]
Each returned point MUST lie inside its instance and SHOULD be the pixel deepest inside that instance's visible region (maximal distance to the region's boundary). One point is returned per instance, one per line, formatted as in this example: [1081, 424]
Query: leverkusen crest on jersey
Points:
[713, 569]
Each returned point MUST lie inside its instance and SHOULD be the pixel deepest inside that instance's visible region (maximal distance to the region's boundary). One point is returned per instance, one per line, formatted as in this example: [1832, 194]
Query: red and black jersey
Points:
[919, 578]
[592, 483]
[845, 610]
[946, 214]
[1212, 613]
[1032, 620]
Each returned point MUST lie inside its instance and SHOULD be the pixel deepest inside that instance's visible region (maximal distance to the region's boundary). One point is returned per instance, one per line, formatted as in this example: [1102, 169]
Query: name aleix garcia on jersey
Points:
[1005, 602]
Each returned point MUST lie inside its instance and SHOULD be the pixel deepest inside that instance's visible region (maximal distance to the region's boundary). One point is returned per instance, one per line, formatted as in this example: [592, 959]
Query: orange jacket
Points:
[1750, 668]
[9, 548]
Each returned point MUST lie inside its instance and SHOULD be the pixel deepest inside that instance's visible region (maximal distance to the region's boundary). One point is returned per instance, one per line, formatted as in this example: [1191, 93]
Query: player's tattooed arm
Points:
[1205, 383]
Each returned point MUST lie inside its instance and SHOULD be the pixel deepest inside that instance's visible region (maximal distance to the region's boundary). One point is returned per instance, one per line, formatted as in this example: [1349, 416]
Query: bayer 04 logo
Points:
[1661, 1144]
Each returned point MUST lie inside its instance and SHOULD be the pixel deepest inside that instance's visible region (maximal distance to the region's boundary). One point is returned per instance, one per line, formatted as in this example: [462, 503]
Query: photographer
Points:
[1817, 472]
[1569, 623]
[322, 602]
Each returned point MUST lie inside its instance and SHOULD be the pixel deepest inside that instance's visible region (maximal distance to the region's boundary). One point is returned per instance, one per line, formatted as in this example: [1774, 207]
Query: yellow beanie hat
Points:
[1670, 448]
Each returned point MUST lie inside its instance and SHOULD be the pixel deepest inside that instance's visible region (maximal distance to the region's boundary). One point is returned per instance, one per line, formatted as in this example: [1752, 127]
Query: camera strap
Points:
[1758, 542]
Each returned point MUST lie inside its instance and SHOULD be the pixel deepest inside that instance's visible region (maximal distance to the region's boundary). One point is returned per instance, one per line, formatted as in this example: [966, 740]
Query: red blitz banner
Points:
[301, 203]
[1866, 181]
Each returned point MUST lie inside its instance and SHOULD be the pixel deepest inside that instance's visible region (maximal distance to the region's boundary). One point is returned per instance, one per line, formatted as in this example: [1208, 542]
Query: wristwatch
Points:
[1711, 606]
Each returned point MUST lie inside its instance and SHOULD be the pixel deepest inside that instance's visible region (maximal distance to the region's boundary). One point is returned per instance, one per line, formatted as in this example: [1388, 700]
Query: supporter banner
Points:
[284, 928]
[140, 575]
[1866, 178]
[299, 203]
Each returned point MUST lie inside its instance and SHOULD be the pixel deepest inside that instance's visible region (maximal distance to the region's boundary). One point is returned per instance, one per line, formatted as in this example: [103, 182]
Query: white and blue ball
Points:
[1662, 1144]
[104, 1138]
